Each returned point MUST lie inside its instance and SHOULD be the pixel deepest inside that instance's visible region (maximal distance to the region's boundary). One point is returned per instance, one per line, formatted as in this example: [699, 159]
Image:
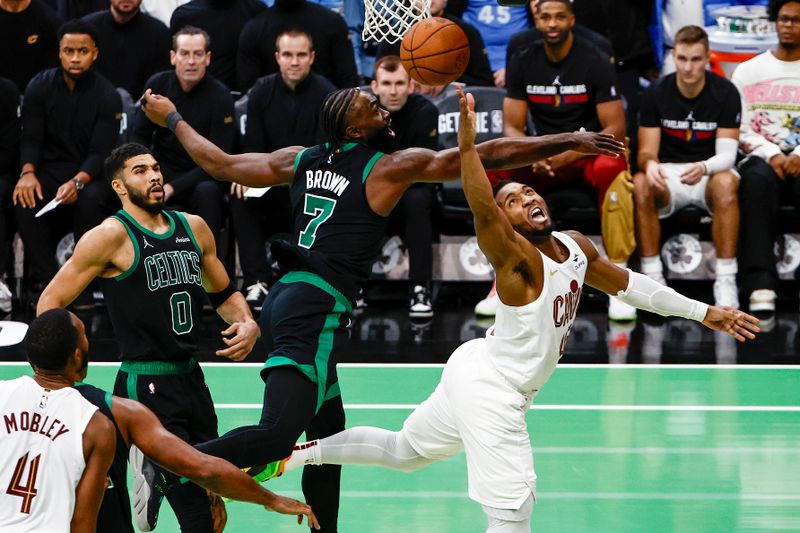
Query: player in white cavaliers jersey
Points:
[55, 446]
[488, 384]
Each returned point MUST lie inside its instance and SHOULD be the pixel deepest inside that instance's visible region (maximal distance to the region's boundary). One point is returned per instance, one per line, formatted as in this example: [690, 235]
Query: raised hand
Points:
[737, 324]
[157, 107]
[466, 123]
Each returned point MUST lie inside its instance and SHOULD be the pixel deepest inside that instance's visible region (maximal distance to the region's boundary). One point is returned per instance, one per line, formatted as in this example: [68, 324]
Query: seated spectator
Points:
[28, 39]
[70, 123]
[414, 122]
[477, 72]
[282, 110]
[688, 137]
[9, 168]
[568, 84]
[334, 52]
[496, 24]
[135, 46]
[224, 21]
[161, 9]
[204, 103]
[771, 170]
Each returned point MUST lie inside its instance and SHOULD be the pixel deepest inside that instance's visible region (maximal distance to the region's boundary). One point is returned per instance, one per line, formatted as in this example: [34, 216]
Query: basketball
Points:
[435, 51]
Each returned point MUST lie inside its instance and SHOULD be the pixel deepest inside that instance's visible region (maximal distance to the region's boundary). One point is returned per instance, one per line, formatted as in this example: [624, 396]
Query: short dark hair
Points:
[390, 63]
[191, 30]
[51, 339]
[691, 35]
[774, 8]
[77, 26]
[115, 161]
[294, 32]
[567, 3]
[499, 185]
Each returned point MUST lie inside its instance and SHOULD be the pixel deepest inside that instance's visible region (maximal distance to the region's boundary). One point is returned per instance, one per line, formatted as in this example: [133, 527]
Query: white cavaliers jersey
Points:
[41, 446]
[526, 342]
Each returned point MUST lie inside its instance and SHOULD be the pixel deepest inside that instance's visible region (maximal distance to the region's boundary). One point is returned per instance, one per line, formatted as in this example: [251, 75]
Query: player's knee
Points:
[723, 188]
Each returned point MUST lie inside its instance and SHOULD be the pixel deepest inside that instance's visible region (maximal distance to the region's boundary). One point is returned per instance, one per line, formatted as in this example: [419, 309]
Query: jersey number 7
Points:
[321, 209]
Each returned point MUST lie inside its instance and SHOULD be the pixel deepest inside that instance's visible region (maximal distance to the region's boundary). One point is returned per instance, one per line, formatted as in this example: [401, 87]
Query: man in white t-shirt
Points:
[488, 384]
[770, 138]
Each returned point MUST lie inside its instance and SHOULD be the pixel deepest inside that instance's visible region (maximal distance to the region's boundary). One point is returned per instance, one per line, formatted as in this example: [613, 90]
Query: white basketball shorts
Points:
[475, 408]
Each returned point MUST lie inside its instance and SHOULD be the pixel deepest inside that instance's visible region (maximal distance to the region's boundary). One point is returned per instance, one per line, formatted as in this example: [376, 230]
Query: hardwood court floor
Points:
[689, 448]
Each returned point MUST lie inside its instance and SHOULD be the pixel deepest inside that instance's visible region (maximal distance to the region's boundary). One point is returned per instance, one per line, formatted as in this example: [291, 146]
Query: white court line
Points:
[545, 407]
[542, 495]
[655, 450]
[576, 366]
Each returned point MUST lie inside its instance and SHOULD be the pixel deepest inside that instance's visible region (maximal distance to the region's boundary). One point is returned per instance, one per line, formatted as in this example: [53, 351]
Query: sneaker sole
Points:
[141, 490]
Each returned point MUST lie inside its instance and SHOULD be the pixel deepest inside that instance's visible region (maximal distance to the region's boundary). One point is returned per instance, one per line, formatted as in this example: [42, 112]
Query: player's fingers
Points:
[38, 189]
[470, 102]
[230, 330]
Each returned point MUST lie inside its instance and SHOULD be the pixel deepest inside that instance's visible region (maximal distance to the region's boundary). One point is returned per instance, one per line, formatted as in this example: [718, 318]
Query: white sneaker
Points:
[420, 304]
[726, 293]
[255, 295]
[488, 306]
[619, 310]
[5, 298]
[762, 300]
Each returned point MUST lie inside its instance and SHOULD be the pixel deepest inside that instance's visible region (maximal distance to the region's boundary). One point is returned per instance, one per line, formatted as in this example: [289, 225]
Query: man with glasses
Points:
[770, 138]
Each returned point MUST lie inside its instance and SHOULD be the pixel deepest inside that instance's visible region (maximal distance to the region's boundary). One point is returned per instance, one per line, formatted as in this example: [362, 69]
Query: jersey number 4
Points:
[320, 209]
[28, 491]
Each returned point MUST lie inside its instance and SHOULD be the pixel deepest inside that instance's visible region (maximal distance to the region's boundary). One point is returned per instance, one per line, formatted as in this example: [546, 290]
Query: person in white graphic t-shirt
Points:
[488, 384]
[770, 139]
[57, 447]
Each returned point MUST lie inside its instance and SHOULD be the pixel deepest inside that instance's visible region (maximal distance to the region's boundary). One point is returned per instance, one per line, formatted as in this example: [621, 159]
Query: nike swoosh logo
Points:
[553, 272]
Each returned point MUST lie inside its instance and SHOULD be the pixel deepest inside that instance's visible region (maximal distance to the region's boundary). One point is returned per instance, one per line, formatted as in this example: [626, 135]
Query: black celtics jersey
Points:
[115, 511]
[335, 233]
[156, 305]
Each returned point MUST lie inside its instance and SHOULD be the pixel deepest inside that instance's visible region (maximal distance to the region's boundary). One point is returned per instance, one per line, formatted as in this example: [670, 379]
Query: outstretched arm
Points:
[505, 249]
[420, 164]
[252, 170]
[141, 427]
[640, 291]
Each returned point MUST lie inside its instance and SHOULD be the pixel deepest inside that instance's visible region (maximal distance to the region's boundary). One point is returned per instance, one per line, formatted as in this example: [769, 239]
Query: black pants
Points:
[254, 221]
[40, 236]
[183, 404]
[415, 211]
[290, 401]
[759, 193]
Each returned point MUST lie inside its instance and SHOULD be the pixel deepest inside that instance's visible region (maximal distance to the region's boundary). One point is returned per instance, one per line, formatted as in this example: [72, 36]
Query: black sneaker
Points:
[149, 486]
[420, 303]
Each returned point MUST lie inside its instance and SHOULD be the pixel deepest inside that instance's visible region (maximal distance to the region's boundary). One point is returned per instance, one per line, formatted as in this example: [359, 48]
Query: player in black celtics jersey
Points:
[155, 268]
[57, 334]
[342, 192]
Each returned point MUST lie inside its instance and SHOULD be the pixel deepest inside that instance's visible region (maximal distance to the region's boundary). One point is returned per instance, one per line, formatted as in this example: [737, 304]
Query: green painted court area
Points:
[617, 449]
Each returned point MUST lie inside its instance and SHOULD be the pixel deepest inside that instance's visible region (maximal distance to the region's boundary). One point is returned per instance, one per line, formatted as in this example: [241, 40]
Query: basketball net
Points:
[389, 20]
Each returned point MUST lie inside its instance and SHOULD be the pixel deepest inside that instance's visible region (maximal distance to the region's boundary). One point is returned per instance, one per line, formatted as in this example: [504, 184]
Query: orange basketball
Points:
[435, 51]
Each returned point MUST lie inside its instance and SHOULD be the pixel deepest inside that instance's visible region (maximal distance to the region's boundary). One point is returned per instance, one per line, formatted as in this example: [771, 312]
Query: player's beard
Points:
[140, 200]
[534, 235]
[379, 139]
